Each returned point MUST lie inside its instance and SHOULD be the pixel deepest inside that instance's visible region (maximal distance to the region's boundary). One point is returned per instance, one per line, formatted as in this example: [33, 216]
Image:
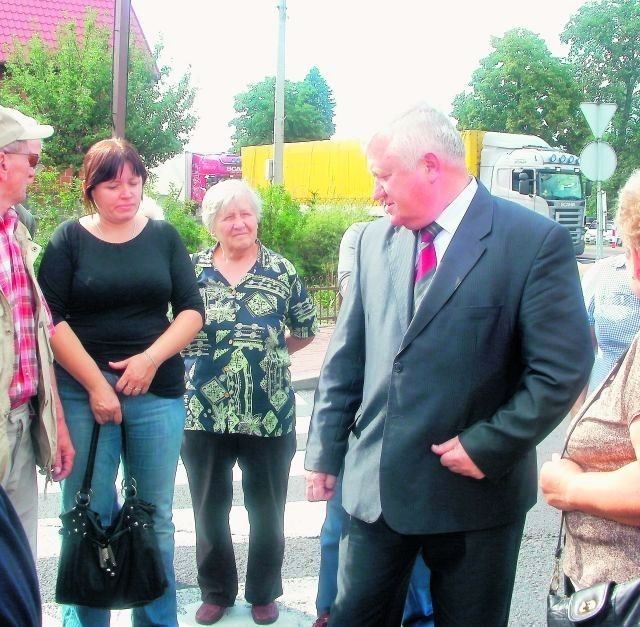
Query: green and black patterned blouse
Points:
[237, 367]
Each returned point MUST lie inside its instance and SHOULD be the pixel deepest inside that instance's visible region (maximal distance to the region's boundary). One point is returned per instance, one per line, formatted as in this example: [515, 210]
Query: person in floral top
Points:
[240, 402]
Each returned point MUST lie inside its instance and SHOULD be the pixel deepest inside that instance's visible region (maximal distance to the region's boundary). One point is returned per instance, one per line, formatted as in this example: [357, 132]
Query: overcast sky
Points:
[378, 57]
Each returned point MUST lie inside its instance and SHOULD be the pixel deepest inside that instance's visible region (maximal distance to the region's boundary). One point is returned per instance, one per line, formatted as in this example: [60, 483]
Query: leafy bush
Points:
[182, 215]
[282, 223]
[309, 237]
[53, 200]
[320, 237]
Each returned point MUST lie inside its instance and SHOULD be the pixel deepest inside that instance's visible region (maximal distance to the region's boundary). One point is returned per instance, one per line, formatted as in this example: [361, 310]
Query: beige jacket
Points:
[44, 432]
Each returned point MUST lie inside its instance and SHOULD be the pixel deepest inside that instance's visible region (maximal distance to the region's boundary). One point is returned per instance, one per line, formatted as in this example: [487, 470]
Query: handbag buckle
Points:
[107, 559]
[587, 603]
[587, 606]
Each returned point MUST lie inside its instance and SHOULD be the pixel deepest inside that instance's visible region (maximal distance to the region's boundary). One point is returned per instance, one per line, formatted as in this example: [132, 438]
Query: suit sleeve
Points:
[339, 392]
[555, 347]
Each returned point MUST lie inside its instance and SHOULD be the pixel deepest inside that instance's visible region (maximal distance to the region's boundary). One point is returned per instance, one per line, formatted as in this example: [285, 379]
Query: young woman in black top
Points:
[111, 278]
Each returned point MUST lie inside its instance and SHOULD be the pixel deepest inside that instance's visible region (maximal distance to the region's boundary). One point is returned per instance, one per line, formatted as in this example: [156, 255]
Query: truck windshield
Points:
[554, 185]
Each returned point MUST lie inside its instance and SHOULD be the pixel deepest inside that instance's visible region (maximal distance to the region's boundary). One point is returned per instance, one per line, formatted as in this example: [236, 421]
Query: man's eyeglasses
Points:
[32, 157]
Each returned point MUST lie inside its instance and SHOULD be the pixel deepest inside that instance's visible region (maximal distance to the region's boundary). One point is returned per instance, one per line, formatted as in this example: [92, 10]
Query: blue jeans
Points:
[418, 611]
[154, 434]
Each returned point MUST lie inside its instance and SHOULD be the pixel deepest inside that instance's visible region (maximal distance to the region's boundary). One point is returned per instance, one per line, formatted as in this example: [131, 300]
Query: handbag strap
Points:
[129, 486]
[83, 495]
[128, 483]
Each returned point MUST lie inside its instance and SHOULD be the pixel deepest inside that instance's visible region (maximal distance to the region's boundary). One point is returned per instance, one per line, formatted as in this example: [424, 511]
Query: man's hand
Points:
[320, 486]
[455, 458]
[555, 481]
[65, 452]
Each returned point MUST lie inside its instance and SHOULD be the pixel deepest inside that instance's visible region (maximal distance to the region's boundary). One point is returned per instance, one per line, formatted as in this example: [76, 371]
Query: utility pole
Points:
[278, 118]
[120, 66]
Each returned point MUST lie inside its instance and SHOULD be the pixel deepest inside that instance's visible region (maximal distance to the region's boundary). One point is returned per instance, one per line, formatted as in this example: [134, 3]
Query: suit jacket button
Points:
[397, 367]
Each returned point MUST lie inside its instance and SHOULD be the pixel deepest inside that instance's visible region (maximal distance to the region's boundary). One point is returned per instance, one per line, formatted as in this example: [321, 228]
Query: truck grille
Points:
[571, 218]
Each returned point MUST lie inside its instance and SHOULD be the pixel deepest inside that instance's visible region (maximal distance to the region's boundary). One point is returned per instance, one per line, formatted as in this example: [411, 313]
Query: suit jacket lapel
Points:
[401, 249]
[461, 256]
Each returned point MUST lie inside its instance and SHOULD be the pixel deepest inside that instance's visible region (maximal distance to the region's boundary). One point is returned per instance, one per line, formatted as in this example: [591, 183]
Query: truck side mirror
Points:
[524, 184]
[588, 188]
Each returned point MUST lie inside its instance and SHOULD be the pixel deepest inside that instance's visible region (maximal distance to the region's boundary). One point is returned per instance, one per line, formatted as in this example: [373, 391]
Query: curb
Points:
[305, 383]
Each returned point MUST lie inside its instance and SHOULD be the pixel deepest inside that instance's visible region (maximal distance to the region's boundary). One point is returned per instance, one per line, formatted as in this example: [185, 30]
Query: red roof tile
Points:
[23, 18]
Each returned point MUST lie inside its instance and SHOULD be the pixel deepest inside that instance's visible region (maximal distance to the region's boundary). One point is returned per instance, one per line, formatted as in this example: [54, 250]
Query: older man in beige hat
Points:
[32, 427]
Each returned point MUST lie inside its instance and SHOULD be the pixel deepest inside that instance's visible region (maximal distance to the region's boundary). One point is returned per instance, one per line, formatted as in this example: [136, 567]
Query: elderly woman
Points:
[110, 278]
[597, 483]
[240, 403]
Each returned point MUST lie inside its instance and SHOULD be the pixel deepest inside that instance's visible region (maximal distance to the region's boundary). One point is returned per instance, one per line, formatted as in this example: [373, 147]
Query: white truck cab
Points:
[525, 169]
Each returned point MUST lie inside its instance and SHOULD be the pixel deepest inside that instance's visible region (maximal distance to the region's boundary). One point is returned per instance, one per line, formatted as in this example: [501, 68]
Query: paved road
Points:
[590, 252]
[302, 522]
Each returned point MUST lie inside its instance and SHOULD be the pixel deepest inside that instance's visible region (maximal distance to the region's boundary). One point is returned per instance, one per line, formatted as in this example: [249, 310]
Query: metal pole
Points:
[600, 217]
[278, 118]
[120, 66]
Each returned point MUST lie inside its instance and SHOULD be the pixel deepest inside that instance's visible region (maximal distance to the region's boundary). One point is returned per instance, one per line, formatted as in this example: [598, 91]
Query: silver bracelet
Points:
[151, 359]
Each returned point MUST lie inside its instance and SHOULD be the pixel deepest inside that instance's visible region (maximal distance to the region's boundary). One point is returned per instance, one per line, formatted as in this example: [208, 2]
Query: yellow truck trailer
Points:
[325, 170]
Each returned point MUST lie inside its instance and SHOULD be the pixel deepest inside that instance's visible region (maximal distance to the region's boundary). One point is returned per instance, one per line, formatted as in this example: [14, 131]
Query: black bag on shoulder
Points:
[116, 568]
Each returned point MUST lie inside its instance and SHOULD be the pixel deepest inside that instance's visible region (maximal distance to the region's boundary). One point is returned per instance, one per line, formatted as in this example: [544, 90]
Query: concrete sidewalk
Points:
[306, 363]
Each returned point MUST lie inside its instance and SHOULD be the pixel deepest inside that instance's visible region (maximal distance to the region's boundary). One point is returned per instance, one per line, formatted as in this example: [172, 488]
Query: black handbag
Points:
[606, 604]
[116, 568]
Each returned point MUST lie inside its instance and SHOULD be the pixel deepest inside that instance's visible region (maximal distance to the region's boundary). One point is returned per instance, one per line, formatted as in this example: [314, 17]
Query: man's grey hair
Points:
[223, 194]
[424, 129]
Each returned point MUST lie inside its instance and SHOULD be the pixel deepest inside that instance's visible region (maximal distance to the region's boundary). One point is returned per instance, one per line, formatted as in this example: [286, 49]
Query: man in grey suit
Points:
[435, 392]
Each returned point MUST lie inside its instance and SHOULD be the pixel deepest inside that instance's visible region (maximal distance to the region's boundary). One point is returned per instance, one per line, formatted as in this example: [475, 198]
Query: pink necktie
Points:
[426, 259]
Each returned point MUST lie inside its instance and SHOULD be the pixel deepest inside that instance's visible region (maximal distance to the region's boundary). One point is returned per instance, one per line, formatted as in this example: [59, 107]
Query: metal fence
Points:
[327, 300]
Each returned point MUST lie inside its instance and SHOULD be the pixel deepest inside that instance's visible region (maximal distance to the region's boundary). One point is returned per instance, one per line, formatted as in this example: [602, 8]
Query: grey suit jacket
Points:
[496, 353]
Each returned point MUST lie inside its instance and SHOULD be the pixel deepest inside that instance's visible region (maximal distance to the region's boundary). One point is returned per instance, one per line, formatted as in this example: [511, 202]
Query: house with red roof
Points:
[21, 19]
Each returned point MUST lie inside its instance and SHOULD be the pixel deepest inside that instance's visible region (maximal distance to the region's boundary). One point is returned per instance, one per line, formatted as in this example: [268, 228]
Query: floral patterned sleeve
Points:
[301, 318]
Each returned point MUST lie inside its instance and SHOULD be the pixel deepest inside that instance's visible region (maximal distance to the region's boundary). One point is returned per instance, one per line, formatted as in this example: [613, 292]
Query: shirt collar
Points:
[451, 217]
[9, 221]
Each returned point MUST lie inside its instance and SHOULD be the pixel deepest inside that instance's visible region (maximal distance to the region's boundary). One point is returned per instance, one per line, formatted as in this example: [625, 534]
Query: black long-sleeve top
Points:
[116, 297]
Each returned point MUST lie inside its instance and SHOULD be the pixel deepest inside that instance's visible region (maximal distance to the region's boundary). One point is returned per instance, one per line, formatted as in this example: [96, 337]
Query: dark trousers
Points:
[472, 574]
[265, 462]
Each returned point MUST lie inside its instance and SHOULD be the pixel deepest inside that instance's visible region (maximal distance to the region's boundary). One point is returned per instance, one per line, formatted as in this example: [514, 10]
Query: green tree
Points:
[69, 86]
[520, 87]
[308, 112]
[603, 38]
[322, 99]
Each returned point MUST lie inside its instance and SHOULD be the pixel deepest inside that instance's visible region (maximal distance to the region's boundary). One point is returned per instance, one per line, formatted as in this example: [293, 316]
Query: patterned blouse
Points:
[614, 313]
[237, 367]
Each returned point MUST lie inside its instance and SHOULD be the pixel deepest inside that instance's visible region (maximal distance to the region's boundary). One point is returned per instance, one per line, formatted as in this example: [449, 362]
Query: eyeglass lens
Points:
[32, 157]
